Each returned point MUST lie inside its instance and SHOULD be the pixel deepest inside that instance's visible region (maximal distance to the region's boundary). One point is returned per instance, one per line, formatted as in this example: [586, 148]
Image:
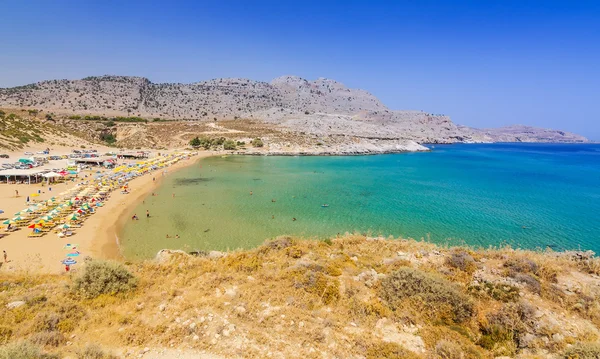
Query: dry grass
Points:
[311, 298]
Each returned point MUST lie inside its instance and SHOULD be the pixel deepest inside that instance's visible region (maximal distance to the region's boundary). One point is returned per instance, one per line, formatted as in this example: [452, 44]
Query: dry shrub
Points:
[23, 350]
[521, 265]
[243, 261]
[317, 283]
[93, 351]
[5, 334]
[583, 351]
[590, 266]
[372, 308]
[530, 281]
[445, 349]
[435, 292]
[460, 336]
[53, 338]
[104, 277]
[277, 244]
[385, 350]
[498, 291]
[463, 261]
[504, 328]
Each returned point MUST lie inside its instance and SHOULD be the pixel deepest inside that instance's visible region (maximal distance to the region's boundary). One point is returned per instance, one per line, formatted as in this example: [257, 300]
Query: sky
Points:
[485, 63]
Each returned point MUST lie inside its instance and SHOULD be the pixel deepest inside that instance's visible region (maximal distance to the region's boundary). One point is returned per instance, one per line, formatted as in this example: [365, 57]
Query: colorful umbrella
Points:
[69, 261]
[64, 226]
[9, 221]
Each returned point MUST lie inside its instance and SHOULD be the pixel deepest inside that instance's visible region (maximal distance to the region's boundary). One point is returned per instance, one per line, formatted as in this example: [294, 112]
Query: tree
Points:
[229, 145]
[195, 142]
[257, 142]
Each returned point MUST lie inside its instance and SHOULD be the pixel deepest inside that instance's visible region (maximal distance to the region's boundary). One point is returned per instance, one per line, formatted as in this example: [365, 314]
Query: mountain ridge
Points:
[321, 107]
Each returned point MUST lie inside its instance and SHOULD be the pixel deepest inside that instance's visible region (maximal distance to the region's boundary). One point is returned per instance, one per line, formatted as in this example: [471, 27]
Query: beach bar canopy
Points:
[51, 175]
[22, 175]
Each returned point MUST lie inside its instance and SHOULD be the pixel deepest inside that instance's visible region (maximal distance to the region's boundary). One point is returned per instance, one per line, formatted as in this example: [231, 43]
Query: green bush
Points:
[435, 292]
[23, 350]
[195, 142]
[104, 277]
[583, 351]
[229, 145]
[257, 142]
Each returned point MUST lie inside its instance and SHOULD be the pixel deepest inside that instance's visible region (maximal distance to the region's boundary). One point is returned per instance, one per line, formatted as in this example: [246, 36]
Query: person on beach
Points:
[173, 195]
[177, 236]
[67, 268]
[5, 257]
[135, 217]
[168, 236]
[147, 214]
[16, 193]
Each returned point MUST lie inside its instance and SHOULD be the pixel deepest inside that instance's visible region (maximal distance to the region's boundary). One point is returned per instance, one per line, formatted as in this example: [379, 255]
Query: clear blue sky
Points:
[485, 63]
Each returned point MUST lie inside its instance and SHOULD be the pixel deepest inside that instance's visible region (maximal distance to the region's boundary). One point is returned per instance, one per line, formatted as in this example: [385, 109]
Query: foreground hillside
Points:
[352, 297]
[322, 107]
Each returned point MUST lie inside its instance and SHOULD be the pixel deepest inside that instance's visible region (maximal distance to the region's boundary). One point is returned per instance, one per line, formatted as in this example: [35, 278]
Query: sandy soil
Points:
[96, 238]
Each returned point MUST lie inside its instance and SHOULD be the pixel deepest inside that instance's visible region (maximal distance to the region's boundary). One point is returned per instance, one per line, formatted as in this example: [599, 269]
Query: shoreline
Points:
[106, 244]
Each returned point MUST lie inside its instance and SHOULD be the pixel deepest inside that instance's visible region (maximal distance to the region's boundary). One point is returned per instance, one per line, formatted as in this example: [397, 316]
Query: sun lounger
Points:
[33, 235]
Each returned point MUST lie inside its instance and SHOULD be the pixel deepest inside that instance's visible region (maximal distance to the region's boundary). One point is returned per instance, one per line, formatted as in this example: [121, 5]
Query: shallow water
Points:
[475, 194]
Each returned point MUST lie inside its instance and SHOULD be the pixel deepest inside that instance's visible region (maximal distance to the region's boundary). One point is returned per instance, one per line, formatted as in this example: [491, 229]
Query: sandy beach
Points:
[97, 236]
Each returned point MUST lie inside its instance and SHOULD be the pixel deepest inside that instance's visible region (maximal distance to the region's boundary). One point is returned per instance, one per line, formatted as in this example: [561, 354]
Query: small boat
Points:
[324, 205]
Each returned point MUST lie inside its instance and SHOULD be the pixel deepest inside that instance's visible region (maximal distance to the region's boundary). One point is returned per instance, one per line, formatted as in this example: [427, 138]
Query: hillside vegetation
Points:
[351, 297]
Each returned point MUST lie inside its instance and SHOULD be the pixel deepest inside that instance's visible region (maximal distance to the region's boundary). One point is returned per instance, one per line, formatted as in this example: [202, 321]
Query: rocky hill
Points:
[322, 107]
[521, 133]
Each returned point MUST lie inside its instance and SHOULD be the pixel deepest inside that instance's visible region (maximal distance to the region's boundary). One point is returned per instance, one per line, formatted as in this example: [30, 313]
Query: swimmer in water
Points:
[251, 193]
[294, 219]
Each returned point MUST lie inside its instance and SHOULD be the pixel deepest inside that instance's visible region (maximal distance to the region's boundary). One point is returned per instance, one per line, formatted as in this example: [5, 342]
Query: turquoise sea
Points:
[525, 195]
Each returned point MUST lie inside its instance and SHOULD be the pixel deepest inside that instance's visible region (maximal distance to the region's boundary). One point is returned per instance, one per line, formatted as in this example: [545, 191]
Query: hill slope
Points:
[320, 107]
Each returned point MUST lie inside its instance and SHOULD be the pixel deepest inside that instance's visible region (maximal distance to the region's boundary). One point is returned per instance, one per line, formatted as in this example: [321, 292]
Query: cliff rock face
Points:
[320, 107]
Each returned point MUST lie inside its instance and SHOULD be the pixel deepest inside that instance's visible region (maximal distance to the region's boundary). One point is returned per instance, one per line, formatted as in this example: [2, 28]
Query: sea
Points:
[534, 196]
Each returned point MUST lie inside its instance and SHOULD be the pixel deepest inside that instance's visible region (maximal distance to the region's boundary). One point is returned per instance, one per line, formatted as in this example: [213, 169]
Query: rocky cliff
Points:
[322, 107]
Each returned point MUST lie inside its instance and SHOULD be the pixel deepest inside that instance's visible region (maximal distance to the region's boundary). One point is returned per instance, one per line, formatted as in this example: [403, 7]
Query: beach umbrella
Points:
[72, 172]
[46, 218]
[74, 254]
[18, 218]
[9, 221]
[34, 225]
[69, 261]
[64, 226]
[1, 211]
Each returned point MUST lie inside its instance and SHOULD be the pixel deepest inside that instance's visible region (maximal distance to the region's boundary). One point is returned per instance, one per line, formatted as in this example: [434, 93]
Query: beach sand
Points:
[96, 238]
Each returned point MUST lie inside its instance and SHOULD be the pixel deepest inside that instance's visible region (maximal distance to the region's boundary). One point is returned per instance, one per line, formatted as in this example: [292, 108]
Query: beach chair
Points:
[35, 234]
